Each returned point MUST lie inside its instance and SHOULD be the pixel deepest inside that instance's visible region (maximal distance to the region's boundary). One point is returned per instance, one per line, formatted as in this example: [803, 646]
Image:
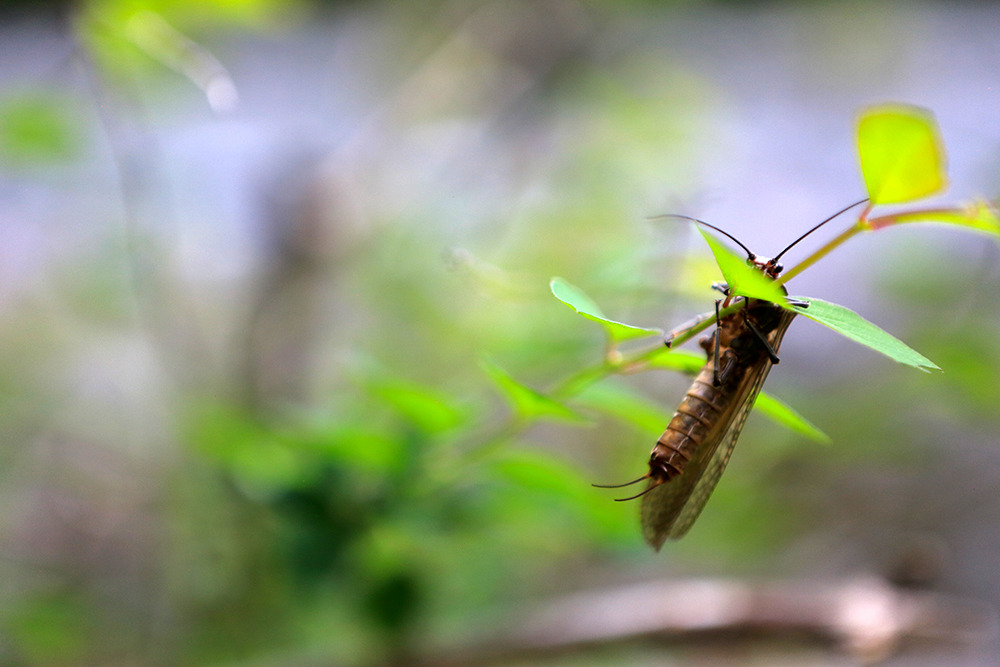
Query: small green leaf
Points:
[781, 413]
[526, 402]
[425, 407]
[620, 402]
[37, 129]
[549, 494]
[541, 472]
[743, 279]
[361, 446]
[901, 154]
[257, 456]
[772, 408]
[576, 299]
[678, 360]
[848, 323]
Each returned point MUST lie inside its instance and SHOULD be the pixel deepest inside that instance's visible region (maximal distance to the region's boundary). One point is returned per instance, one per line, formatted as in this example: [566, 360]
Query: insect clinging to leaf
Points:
[902, 160]
[692, 453]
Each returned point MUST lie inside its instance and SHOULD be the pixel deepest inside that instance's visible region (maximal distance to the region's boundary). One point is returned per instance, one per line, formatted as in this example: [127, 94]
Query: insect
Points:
[691, 455]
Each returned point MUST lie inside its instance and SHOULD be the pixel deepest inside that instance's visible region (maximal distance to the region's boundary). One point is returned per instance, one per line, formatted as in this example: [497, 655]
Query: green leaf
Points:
[576, 299]
[678, 360]
[257, 456]
[525, 401]
[426, 408]
[848, 323]
[781, 413]
[120, 37]
[743, 279]
[620, 402]
[771, 407]
[51, 627]
[541, 472]
[37, 129]
[901, 154]
[549, 494]
[361, 446]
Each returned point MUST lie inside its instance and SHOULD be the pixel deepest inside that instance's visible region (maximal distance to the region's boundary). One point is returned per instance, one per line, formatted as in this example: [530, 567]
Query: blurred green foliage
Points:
[36, 129]
[426, 473]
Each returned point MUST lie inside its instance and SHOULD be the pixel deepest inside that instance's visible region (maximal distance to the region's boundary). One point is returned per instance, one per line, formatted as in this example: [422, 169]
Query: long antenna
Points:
[710, 226]
[638, 495]
[774, 259]
[634, 481]
[618, 486]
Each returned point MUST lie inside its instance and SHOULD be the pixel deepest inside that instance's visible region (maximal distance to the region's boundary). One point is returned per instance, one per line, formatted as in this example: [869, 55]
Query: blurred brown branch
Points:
[866, 618]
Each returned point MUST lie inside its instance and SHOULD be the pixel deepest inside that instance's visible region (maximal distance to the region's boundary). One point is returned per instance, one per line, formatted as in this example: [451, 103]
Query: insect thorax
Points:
[737, 336]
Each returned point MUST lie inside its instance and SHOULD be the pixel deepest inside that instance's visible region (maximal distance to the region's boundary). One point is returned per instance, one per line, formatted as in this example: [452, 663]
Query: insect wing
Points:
[669, 509]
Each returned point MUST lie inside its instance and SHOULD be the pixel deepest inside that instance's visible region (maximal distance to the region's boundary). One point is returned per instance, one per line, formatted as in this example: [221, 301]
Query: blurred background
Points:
[262, 262]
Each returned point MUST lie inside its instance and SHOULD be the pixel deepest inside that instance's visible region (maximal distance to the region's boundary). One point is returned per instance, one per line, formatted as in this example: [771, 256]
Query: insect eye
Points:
[777, 268]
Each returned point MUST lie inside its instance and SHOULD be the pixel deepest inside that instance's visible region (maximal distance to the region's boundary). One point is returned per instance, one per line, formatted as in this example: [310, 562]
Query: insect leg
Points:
[725, 365]
[772, 355]
[668, 339]
[718, 335]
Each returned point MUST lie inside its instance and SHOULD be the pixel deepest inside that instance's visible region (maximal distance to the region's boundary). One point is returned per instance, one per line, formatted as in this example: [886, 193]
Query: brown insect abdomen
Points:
[688, 428]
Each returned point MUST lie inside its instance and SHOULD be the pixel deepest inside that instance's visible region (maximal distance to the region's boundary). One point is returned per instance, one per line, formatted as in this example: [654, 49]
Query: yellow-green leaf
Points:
[37, 129]
[743, 279]
[901, 154]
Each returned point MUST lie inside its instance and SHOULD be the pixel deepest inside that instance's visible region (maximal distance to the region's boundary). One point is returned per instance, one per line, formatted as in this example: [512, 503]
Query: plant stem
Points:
[821, 253]
[948, 213]
[580, 380]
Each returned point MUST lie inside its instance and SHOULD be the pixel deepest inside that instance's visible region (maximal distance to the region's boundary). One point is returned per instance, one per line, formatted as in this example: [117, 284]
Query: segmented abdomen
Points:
[690, 425]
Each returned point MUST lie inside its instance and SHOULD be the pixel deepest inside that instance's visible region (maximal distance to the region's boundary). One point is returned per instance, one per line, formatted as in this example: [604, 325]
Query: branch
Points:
[866, 618]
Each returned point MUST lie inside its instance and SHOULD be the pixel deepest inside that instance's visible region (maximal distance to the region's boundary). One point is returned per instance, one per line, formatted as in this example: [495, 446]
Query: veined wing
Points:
[669, 509]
